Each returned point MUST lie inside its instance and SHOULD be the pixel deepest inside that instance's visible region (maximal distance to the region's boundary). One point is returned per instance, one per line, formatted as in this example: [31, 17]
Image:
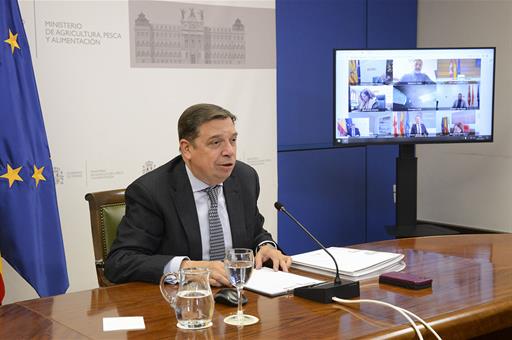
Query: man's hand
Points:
[279, 260]
[218, 276]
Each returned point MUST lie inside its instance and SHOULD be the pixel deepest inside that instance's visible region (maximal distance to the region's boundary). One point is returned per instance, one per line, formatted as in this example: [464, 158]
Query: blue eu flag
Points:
[30, 233]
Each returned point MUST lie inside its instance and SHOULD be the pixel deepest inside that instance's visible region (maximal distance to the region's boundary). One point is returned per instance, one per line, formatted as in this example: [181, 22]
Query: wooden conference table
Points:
[471, 296]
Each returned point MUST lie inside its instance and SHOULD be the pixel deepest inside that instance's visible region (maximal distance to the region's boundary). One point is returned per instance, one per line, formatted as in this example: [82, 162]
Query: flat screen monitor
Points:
[423, 95]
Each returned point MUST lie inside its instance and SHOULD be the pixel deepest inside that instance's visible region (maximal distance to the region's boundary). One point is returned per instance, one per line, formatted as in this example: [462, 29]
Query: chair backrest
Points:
[106, 209]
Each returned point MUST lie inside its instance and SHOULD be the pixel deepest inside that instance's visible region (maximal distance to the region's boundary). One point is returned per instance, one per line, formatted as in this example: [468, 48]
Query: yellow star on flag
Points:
[38, 175]
[12, 175]
[12, 41]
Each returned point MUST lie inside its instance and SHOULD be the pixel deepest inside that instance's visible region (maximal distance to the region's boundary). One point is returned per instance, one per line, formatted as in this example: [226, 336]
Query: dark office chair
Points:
[106, 209]
[381, 100]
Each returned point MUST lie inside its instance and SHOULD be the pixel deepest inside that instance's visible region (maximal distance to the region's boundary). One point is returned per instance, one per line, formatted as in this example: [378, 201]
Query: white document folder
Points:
[354, 264]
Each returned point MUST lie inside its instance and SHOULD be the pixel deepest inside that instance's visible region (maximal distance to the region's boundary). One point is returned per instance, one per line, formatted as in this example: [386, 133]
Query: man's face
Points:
[211, 156]
[418, 64]
[460, 96]
[418, 120]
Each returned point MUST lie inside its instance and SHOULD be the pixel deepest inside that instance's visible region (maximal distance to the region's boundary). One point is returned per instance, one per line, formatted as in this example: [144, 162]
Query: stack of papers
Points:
[354, 264]
[268, 282]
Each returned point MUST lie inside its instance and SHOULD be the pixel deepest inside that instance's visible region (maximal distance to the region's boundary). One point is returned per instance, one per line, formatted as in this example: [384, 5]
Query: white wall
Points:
[470, 184]
[106, 120]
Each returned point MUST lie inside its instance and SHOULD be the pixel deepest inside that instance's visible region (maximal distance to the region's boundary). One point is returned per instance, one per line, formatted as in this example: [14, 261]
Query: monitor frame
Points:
[364, 141]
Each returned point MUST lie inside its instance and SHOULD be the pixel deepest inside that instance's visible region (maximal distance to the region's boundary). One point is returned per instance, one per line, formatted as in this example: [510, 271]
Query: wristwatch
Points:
[264, 243]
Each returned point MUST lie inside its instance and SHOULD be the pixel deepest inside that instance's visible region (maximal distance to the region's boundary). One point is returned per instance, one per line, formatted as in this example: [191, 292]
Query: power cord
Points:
[407, 314]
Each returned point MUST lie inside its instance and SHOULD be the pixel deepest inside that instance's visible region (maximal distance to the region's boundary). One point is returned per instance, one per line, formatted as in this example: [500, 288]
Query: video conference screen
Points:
[414, 96]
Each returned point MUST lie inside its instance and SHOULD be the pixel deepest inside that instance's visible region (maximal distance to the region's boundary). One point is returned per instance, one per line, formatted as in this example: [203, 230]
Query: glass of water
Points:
[239, 263]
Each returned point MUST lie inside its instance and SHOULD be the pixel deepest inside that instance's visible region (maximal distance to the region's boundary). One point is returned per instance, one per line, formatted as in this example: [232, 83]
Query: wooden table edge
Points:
[475, 321]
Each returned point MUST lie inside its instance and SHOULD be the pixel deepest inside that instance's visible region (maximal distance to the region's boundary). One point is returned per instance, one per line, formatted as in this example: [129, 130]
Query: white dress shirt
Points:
[202, 205]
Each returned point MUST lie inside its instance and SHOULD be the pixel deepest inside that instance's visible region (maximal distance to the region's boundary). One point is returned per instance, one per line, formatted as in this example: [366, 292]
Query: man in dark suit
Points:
[353, 131]
[168, 221]
[460, 103]
[419, 128]
[417, 76]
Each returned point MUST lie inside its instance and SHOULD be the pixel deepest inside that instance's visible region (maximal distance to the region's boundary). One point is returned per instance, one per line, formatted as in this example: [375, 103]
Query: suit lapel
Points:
[235, 210]
[186, 210]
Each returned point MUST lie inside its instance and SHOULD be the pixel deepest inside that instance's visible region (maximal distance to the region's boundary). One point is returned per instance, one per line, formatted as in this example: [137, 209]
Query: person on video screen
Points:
[458, 128]
[367, 101]
[416, 76]
[460, 103]
[419, 129]
[353, 131]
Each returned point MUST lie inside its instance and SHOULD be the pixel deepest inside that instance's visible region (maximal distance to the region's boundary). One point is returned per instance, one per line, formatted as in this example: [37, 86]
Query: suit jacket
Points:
[357, 133]
[161, 221]
[462, 105]
[423, 130]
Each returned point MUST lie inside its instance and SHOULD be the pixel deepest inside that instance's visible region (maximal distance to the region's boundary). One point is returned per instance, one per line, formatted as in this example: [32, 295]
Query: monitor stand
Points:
[406, 198]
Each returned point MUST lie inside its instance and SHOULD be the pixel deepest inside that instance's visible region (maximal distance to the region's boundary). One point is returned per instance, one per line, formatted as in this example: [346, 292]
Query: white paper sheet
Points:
[268, 282]
[123, 323]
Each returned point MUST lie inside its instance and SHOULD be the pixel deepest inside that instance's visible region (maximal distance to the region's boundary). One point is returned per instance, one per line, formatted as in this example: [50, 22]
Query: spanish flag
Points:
[444, 126]
[342, 127]
[353, 75]
[2, 287]
[402, 126]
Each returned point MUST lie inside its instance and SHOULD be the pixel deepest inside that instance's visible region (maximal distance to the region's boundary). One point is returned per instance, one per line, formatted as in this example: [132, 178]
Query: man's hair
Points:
[196, 115]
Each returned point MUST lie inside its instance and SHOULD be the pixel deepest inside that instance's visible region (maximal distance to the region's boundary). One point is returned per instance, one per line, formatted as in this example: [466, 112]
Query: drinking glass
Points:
[239, 263]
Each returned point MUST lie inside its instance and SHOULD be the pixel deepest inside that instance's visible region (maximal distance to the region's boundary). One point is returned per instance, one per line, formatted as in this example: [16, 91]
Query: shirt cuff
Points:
[272, 243]
[173, 266]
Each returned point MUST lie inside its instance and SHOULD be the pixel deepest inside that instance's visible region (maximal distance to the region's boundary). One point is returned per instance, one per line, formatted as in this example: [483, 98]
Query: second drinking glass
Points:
[239, 263]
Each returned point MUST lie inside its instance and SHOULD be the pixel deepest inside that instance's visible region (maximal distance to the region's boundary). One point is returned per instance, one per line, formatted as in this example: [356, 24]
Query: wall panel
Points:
[349, 197]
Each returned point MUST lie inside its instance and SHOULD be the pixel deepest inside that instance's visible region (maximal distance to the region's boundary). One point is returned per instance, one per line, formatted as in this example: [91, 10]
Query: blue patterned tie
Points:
[217, 249]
